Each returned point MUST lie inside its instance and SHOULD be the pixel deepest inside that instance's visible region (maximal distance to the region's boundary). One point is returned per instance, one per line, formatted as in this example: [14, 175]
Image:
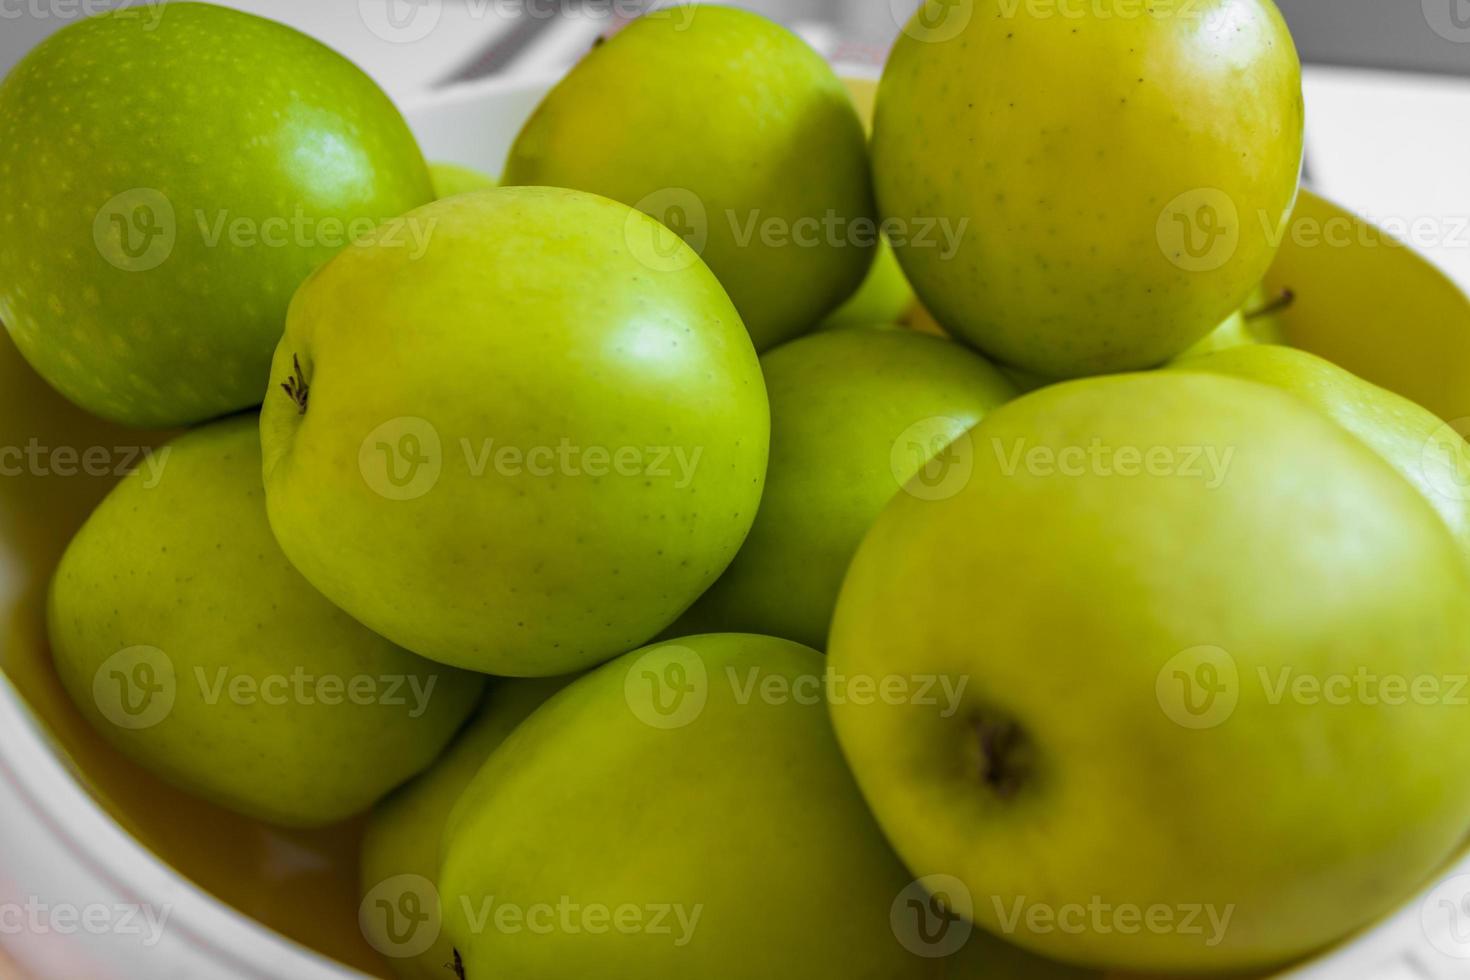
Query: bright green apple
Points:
[526, 449]
[854, 415]
[1255, 323]
[1413, 440]
[884, 296]
[190, 643]
[165, 185]
[1211, 647]
[1116, 182]
[736, 134]
[451, 179]
[400, 848]
[684, 812]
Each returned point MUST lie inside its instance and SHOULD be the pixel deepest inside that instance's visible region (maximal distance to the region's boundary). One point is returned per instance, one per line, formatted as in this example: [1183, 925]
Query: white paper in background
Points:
[1395, 148]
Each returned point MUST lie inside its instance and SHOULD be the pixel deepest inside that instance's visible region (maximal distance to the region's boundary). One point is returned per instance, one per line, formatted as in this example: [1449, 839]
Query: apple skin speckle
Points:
[167, 180]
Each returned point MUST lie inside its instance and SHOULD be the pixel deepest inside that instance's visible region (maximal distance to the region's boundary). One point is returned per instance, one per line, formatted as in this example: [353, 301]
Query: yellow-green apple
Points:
[1213, 650]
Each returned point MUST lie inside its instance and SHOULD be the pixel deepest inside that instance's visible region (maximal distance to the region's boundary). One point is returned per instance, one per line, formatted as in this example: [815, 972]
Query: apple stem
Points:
[1275, 305]
[296, 386]
[1003, 751]
[458, 965]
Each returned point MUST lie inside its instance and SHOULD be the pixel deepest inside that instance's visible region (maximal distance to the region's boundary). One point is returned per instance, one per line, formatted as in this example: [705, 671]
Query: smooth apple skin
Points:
[720, 122]
[451, 179]
[734, 804]
[1075, 154]
[1062, 600]
[854, 415]
[404, 833]
[166, 183]
[884, 297]
[1424, 450]
[187, 565]
[537, 318]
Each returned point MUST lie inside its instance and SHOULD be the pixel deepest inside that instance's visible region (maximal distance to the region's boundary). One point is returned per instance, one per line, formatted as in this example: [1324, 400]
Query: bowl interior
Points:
[1411, 333]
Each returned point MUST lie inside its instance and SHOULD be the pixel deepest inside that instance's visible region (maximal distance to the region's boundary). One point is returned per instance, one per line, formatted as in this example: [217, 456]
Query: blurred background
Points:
[1388, 82]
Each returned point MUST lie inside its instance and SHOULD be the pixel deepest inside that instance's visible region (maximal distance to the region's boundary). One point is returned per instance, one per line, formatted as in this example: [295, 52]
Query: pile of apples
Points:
[517, 515]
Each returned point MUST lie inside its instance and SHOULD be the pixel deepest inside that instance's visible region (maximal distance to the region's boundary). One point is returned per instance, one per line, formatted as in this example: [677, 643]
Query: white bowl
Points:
[60, 850]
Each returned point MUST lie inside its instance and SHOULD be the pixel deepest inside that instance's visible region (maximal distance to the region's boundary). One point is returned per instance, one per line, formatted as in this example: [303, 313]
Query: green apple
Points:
[1211, 647]
[684, 812]
[451, 179]
[1413, 440]
[400, 848]
[165, 185]
[1255, 323]
[1116, 183]
[525, 450]
[854, 415]
[192, 645]
[884, 296]
[736, 134]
